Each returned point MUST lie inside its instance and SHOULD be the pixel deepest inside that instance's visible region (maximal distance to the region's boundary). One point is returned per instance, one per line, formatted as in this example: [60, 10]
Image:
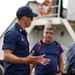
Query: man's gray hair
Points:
[50, 27]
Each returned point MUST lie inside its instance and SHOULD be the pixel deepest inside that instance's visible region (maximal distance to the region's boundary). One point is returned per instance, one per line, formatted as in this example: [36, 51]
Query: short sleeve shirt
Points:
[16, 40]
[51, 52]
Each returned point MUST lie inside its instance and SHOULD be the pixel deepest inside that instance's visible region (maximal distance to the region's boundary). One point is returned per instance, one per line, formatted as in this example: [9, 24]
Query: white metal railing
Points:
[69, 28]
[57, 14]
[59, 4]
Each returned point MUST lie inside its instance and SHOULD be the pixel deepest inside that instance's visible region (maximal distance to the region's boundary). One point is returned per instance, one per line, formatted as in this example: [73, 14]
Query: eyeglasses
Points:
[30, 17]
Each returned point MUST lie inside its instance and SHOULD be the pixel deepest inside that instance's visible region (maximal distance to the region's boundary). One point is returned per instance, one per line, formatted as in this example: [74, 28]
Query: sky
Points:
[8, 11]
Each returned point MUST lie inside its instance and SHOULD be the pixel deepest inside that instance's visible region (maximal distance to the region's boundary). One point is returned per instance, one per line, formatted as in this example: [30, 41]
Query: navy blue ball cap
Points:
[26, 11]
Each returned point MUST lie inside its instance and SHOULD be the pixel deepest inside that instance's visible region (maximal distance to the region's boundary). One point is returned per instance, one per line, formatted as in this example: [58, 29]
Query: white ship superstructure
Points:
[65, 27]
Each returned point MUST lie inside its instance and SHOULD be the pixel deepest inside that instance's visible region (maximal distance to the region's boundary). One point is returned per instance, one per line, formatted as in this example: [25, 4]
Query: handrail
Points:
[56, 14]
[59, 4]
[69, 28]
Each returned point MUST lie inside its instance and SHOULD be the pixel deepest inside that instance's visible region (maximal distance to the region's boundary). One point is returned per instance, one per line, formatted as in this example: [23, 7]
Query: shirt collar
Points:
[20, 29]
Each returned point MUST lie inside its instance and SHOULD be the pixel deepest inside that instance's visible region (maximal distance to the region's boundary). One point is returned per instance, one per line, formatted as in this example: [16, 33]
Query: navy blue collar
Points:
[19, 28]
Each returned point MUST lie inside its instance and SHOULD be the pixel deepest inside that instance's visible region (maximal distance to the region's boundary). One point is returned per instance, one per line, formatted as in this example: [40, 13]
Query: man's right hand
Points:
[37, 59]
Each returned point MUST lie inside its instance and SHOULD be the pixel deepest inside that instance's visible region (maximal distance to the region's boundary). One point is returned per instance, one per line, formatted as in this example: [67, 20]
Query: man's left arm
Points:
[60, 64]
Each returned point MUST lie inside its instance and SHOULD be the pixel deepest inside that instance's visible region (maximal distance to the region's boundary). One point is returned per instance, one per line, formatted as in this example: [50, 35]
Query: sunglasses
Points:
[30, 17]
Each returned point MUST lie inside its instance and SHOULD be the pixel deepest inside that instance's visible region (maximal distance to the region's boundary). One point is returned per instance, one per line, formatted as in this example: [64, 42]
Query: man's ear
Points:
[24, 18]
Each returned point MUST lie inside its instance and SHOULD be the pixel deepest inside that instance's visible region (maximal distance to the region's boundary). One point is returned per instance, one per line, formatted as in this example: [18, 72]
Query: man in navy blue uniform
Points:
[48, 46]
[16, 45]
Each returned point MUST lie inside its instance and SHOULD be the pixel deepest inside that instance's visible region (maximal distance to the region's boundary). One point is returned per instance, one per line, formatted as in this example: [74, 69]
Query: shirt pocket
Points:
[22, 43]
